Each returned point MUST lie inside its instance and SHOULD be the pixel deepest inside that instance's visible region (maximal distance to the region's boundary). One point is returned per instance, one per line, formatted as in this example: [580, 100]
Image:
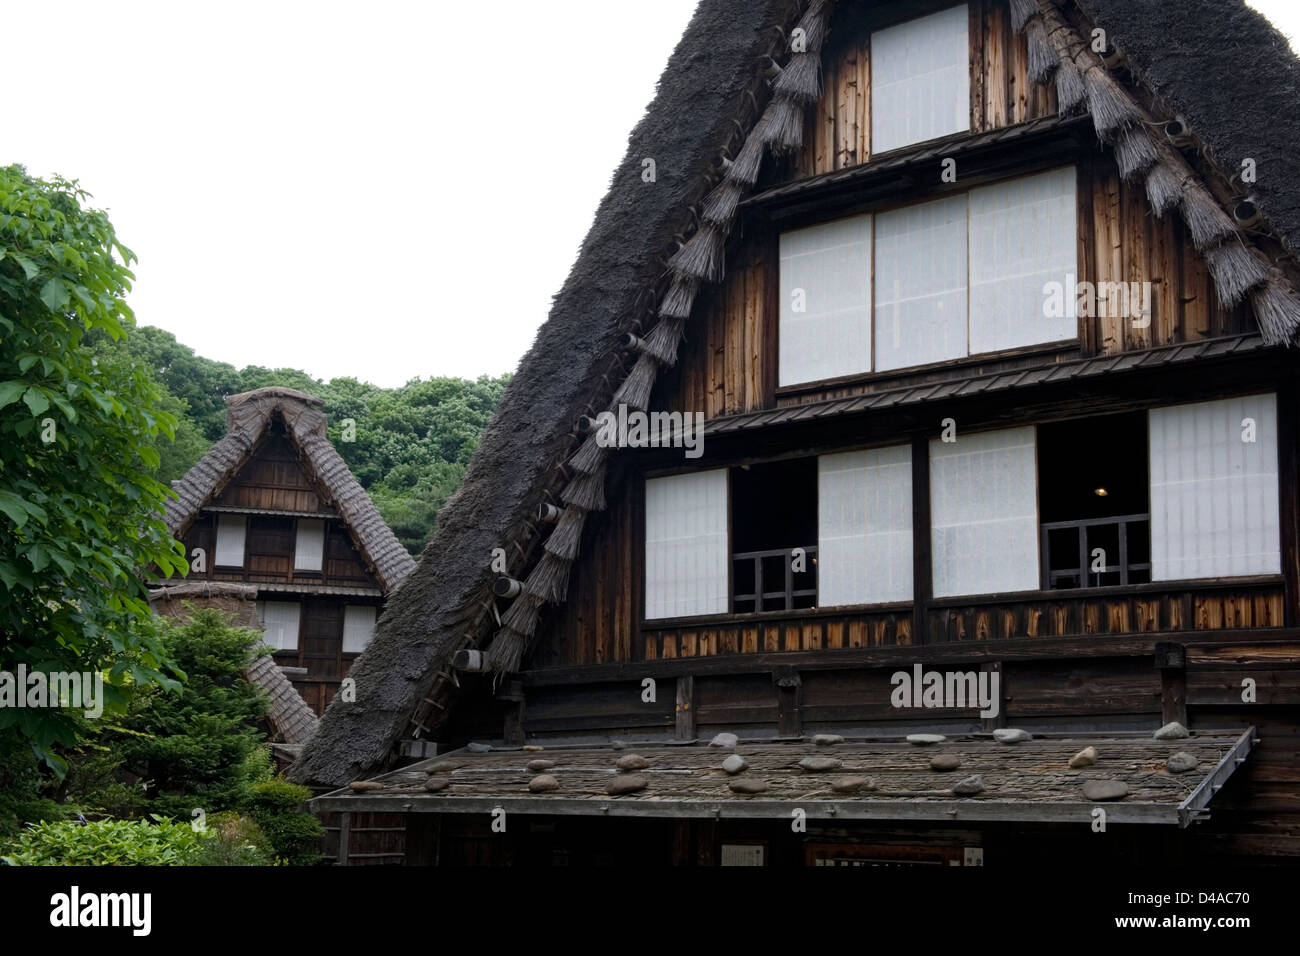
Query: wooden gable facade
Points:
[1102, 514]
[272, 512]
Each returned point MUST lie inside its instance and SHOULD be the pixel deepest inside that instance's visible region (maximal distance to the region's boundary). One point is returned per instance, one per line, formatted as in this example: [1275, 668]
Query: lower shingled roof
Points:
[1027, 781]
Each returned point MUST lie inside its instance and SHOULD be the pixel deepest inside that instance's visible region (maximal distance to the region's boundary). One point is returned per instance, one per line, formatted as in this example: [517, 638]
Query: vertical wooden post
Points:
[513, 731]
[345, 835]
[685, 729]
[922, 582]
[1172, 660]
[992, 723]
[789, 723]
[1288, 451]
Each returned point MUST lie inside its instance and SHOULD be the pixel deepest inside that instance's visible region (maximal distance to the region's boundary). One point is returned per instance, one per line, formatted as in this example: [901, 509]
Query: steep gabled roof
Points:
[653, 244]
[248, 417]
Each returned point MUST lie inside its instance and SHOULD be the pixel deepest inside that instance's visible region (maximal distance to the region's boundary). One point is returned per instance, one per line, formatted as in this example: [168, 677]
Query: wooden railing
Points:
[787, 592]
[1082, 574]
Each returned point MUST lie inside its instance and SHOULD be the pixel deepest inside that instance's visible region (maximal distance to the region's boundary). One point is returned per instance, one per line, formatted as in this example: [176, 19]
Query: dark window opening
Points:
[774, 512]
[1093, 502]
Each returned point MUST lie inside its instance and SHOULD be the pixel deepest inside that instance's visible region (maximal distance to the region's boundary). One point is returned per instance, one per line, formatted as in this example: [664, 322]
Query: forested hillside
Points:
[411, 443]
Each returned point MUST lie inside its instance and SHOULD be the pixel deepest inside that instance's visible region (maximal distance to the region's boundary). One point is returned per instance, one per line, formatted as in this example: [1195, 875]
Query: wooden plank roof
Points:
[1024, 781]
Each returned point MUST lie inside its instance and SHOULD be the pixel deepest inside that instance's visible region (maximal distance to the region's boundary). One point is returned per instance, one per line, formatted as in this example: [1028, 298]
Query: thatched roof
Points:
[1225, 69]
[650, 248]
[248, 417]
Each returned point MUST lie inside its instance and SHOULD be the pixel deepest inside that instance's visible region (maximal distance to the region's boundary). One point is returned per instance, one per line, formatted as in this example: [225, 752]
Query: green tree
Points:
[199, 747]
[79, 509]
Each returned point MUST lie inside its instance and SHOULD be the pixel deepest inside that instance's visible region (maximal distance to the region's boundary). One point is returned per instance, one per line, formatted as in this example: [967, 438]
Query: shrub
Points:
[234, 840]
[295, 835]
[106, 843]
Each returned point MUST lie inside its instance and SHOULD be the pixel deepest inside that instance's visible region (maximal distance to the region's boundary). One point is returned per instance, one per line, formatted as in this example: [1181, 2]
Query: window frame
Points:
[1062, 346]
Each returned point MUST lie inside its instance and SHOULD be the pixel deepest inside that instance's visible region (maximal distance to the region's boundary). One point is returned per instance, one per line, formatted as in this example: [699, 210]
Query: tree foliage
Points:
[79, 505]
[199, 747]
[410, 445]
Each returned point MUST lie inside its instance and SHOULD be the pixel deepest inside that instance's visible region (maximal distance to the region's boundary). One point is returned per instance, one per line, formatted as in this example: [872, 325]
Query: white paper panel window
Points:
[826, 301]
[309, 550]
[864, 526]
[1214, 493]
[920, 313]
[358, 627]
[686, 544]
[1022, 235]
[280, 621]
[984, 513]
[920, 80]
[230, 540]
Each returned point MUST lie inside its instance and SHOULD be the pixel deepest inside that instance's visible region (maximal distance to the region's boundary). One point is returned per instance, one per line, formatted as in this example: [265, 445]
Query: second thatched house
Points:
[275, 525]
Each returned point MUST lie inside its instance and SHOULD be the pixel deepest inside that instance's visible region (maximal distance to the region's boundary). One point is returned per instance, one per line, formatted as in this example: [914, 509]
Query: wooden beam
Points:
[973, 652]
[821, 808]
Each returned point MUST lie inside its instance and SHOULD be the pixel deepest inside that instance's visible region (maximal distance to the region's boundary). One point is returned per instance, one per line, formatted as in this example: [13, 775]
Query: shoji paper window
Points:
[280, 620]
[358, 627]
[1214, 493]
[864, 526]
[984, 513]
[230, 540]
[920, 313]
[1022, 235]
[686, 544]
[826, 301]
[309, 550]
[920, 80]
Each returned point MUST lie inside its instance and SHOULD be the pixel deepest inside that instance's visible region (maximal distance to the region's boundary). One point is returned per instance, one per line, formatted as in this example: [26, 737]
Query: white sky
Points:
[384, 190]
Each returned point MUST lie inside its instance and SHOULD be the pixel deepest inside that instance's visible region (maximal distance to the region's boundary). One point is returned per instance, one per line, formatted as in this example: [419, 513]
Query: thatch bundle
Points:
[1043, 58]
[801, 80]
[1070, 89]
[1164, 188]
[664, 339]
[745, 167]
[1135, 152]
[784, 127]
[1236, 270]
[1110, 106]
[1208, 224]
[720, 206]
[521, 617]
[564, 540]
[549, 579]
[679, 298]
[1277, 310]
[506, 652]
[589, 456]
[702, 257]
[640, 382]
[1021, 12]
[586, 491]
